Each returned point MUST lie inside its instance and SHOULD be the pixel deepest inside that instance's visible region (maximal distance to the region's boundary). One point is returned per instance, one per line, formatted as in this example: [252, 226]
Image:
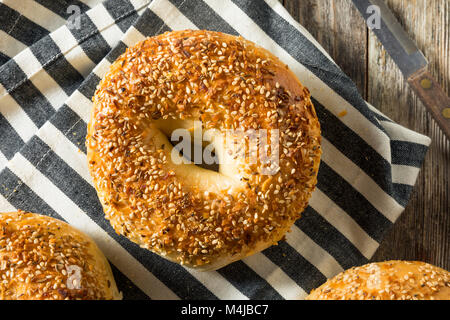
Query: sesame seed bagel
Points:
[188, 214]
[42, 258]
[390, 280]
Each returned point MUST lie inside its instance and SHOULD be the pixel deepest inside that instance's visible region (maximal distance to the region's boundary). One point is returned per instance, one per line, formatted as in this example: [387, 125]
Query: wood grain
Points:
[340, 29]
[423, 230]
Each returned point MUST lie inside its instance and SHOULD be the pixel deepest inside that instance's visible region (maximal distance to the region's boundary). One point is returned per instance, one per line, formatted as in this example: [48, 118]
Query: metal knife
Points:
[410, 60]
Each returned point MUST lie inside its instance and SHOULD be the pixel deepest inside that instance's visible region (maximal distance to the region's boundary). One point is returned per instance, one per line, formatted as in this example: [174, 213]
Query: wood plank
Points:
[423, 230]
[339, 28]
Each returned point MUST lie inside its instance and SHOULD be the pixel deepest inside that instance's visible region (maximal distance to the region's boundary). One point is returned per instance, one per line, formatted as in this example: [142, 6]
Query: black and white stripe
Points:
[25, 23]
[39, 79]
[368, 168]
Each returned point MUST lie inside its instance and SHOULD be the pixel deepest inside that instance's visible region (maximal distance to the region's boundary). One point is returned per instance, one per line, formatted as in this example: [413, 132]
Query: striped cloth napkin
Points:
[49, 74]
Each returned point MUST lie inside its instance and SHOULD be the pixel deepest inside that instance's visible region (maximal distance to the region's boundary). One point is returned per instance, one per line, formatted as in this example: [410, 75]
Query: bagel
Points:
[42, 258]
[197, 217]
[390, 280]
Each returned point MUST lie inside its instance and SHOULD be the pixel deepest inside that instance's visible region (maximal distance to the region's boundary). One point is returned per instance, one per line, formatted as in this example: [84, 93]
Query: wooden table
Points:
[423, 230]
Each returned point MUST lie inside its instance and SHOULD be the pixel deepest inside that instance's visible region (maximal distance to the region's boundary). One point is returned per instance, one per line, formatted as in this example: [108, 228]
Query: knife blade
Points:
[410, 60]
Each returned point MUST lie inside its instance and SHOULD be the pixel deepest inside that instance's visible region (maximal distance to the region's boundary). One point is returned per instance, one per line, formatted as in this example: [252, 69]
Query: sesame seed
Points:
[227, 84]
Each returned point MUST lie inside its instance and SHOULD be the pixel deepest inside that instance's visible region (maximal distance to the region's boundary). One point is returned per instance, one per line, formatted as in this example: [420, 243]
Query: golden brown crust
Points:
[190, 215]
[42, 258]
[390, 280]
